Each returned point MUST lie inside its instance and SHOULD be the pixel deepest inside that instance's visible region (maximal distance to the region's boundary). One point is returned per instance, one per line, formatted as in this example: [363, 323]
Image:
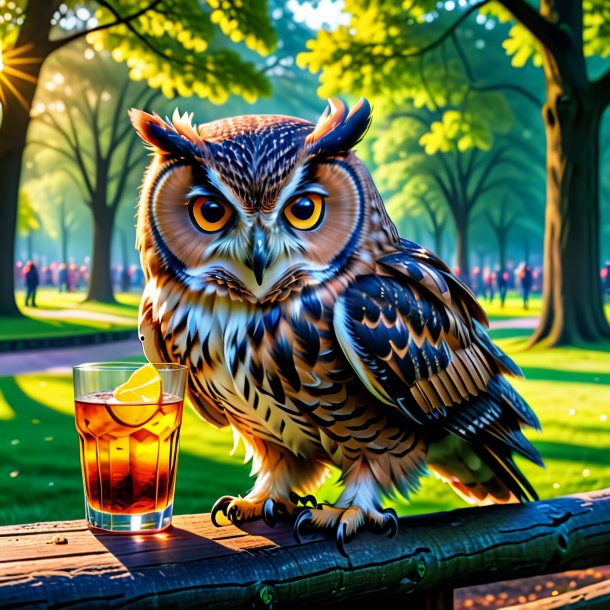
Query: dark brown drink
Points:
[129, 452]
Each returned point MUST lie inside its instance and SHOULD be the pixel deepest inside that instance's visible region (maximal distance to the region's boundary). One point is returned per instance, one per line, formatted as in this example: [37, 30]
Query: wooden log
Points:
[195, 565]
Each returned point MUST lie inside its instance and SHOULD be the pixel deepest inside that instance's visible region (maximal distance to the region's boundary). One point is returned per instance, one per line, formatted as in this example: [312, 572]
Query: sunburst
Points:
[10, 62]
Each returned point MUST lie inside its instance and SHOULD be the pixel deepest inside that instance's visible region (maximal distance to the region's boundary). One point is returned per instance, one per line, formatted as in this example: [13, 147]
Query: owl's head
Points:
[260, 204]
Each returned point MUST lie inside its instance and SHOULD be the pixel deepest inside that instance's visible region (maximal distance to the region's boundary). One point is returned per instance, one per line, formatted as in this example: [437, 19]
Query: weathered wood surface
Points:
[195, 565]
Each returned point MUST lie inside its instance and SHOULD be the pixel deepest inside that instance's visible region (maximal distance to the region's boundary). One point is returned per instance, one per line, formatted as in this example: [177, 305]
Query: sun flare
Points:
[10, 70]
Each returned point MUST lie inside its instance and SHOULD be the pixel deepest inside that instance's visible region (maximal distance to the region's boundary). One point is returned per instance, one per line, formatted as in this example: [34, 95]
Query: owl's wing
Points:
[156, 351]
[416, 337]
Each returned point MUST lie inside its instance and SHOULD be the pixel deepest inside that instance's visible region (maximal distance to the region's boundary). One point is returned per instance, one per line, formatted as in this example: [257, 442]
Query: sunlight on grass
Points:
[52, 391]
[513, 307]
[40, 471]
[6, 411]
[79, 317]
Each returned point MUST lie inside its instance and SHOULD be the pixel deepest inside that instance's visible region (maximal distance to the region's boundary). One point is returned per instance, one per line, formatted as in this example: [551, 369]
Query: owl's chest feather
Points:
[255, 363]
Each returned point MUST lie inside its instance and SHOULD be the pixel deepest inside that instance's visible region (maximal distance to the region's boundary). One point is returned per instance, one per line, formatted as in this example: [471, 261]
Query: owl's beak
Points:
[260, 255]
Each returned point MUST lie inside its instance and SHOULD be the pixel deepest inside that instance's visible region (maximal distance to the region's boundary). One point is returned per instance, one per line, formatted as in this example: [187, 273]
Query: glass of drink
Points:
[128, 421]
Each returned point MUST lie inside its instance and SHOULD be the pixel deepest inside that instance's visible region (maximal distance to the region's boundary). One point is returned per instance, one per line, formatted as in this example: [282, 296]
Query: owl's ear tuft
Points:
[339, 130]
[165, 138]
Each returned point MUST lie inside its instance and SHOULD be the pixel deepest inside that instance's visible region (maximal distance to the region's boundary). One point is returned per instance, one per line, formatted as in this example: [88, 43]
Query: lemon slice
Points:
[141, 396]
[144, 386]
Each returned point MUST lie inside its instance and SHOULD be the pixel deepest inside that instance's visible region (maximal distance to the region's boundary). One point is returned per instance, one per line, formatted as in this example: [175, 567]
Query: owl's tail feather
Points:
[479, 474]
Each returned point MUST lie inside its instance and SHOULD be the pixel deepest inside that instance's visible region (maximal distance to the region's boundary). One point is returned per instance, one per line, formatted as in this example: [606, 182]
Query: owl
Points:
[312, 329]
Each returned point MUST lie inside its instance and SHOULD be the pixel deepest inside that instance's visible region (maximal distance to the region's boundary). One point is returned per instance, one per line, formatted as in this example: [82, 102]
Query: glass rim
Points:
[127, 366]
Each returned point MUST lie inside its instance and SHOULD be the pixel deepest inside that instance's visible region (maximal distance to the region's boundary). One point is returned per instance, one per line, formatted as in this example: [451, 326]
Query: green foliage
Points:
[373, 56]
[596, 31]
[482, 115]
[28, 219]
[182, 49]
[522, 47]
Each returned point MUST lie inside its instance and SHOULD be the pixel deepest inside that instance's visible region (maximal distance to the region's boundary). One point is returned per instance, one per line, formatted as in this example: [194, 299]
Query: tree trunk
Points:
[438, 241]
[12, 142]
[462, 248]
[33, 34]
[64, 245]
[100, 281]
[572, 302]
[502, 238]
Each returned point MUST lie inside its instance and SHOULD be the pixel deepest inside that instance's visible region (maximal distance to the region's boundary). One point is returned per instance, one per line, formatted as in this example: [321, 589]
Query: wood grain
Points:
[196, 565]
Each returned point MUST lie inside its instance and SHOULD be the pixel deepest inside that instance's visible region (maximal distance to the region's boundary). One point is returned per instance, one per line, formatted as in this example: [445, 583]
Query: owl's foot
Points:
[274, 510]
[346, 521]
[237, 510]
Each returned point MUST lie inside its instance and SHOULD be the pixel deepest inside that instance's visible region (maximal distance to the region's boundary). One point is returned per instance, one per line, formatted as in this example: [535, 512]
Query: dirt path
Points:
[63, 359]
[79, 314]
[529, 323]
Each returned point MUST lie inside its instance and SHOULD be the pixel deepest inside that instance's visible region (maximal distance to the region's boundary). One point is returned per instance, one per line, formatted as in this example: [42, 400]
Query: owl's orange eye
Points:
[209, 215]
[305, 212]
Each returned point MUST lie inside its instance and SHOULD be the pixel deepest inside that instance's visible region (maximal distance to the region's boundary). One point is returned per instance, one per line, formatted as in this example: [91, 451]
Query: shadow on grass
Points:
[40, 476]
[540, 374]
[567, 452]
[510, 333]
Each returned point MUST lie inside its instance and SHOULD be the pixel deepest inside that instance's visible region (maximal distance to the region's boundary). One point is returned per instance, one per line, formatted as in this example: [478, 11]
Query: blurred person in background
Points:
[502, 282]
[526, 277]
[30, 274]
[62, 278]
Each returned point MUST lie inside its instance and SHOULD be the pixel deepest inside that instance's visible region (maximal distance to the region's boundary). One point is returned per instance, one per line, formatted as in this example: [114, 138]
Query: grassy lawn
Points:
[79, 318]
[513, 307]
[40, 472]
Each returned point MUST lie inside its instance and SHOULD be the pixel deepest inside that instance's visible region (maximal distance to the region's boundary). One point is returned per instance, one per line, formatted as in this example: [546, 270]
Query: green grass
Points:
[513, 307]
[84, 321]
[40, 473]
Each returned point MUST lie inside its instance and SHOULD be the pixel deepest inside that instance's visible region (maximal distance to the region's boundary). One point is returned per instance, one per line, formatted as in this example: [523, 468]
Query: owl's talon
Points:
[342, 538]
[220, 506]
[234, 515]
[270, 512]
[390, 523]
[301, 523]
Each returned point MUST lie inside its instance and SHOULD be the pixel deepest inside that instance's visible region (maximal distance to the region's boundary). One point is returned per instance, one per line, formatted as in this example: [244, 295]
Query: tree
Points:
[179, 46]
[56, 197]
[382, 38]
[502, 220]
[460, 179]
[101, 149]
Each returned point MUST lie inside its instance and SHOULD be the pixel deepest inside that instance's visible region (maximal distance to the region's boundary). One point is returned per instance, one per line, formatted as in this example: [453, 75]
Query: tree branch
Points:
[57, 44]
[493, 162]
[57, 149]
[510, 87]
[447, 33]
[149, 44]
[78, 152]
[491, 185]
[78, 183]
[548, 34]
[462, 56]
[451, 203]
